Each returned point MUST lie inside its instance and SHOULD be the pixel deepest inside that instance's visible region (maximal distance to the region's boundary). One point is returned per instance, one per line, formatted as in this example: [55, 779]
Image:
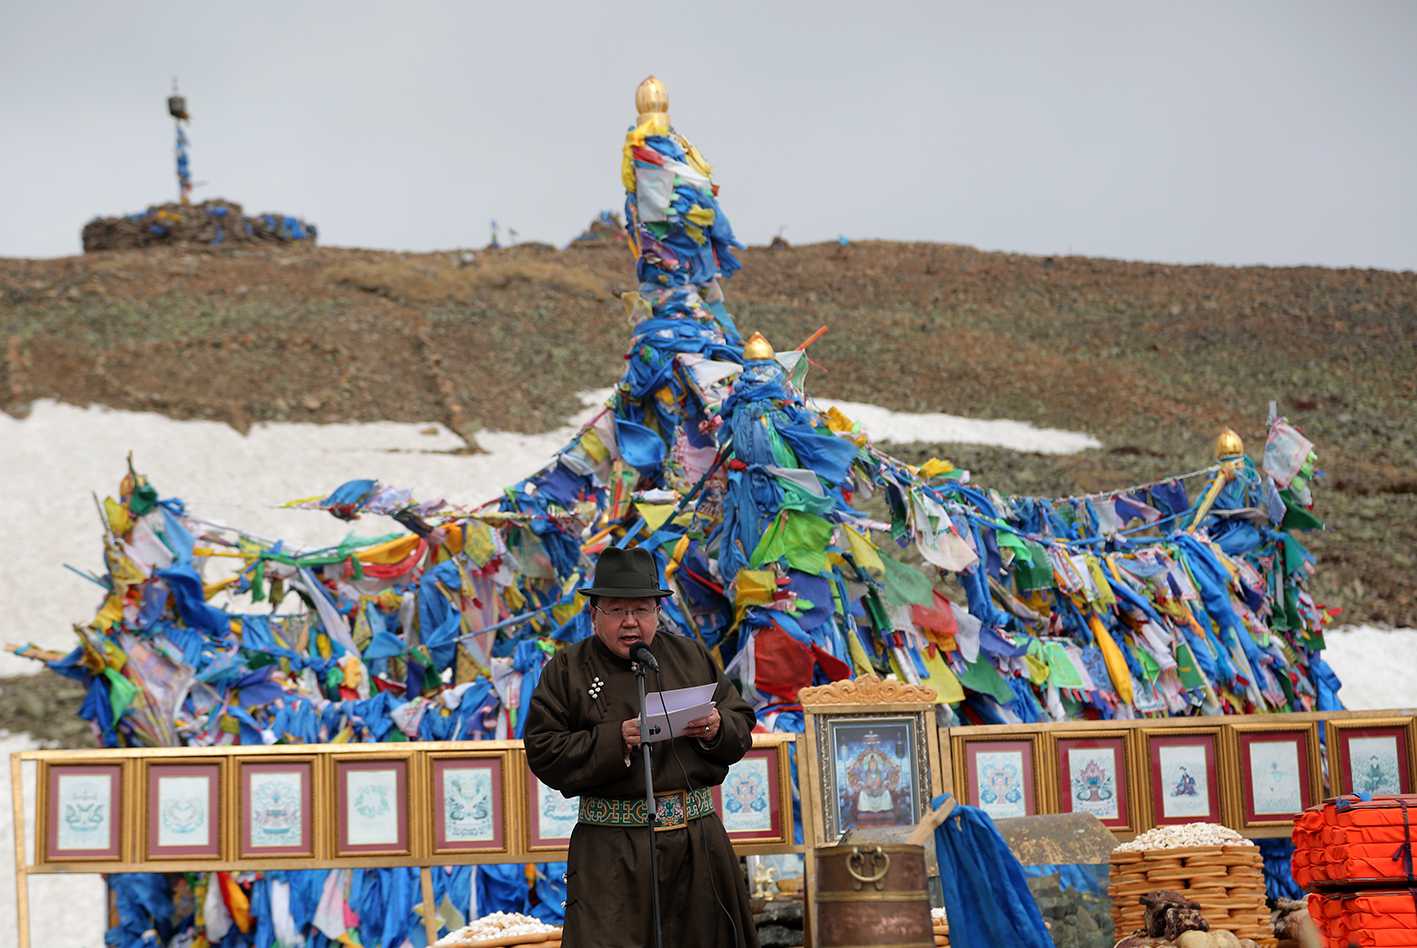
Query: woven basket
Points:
[1227, 882]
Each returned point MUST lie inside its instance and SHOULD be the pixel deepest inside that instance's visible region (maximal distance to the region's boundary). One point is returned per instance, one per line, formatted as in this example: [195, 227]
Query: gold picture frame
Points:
[487, 766]
[1278, 772]
[1183, 764]
[846, 714]
[372, 800]
[748, 836]
[1077, 767]
[977, 752]
[1362, 735]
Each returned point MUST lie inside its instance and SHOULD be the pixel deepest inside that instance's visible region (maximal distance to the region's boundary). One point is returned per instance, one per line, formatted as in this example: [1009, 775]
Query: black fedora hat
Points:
[625, 574]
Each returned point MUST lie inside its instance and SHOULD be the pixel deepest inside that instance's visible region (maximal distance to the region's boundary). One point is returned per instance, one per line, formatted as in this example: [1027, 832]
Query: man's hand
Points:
[705, 728]
[630, 734]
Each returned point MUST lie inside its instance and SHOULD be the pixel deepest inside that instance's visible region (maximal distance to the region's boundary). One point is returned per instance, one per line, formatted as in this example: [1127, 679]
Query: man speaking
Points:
[582, 738]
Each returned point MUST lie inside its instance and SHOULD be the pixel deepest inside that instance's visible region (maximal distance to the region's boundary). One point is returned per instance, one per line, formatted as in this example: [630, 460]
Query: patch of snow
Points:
[67, 910]
[1377, 666]
[899, 427]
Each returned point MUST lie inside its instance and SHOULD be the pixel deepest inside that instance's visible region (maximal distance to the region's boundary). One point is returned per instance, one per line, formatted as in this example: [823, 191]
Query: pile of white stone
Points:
[1184, 836]
[499, 929]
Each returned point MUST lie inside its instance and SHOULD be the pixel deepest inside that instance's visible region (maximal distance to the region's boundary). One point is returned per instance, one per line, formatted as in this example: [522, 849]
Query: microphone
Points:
[640, 652]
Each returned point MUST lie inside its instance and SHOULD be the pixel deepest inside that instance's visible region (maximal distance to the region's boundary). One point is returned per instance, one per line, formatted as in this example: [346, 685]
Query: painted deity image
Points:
[875, 781]
[183, 815]
[1377, 776]
[276, 810]
[1185, 785]
[85, 809]
[745, 793]
[467, 805]
[1001, 782]
[1093, 784]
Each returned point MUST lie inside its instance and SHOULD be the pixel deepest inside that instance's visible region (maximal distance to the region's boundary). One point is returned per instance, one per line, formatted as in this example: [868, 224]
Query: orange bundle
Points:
[1348, 840]
[1366, 919]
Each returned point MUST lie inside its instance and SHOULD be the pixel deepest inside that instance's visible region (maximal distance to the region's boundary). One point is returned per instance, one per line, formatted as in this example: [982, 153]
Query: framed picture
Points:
[1094, 775]
[183, 810]
[1279, 772]
[870, 756]
[1000, 775]
[1184, 778]
[371, 806]
[83, 812]
[876, 771]
[276, 800]
[752, 802]
[1372, 755]
[469, 802]
[550, 815]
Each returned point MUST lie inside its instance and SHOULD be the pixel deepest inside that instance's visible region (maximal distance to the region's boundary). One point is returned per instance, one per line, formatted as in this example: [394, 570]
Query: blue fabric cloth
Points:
[1278, 855]
[977, 869]
[144, 902]
[501, 889]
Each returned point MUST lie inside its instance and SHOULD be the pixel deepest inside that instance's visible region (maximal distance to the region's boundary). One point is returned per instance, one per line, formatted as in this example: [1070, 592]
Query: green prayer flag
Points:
[143, 499]
[1149, 668]
[877, 612]
[1061, 670]
[981, 676]
[121, 692]
[906, 585]
[800, 538]
[1035, 571]
[258, 582]
[1186, 669]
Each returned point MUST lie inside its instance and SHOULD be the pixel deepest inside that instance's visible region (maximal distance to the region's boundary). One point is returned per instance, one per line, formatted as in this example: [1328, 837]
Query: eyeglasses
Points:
[638, 613]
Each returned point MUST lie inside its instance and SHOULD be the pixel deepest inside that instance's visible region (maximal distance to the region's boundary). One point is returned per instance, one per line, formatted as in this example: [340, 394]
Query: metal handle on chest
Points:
[877, 857]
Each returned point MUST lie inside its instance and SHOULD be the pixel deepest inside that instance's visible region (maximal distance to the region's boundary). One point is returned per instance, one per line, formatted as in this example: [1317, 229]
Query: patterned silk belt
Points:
[673, 810]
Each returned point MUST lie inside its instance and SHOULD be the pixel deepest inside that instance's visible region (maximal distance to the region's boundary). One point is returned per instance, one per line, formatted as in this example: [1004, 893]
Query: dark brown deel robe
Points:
[573, 744]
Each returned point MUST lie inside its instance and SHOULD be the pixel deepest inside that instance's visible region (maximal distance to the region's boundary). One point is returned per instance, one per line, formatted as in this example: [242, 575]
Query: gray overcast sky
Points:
[1260, 132]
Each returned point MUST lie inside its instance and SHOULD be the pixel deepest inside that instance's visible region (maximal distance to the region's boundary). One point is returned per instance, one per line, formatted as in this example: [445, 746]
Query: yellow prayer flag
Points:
[934, 467]
[1112, 658]
[946, 685]
[119, 520]
[863, 551]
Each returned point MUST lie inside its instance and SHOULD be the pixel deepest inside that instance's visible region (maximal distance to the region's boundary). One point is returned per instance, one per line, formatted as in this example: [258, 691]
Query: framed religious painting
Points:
[1093, 774]
[82, 812]
[999, 773]
[550, 815]
[1279, 771]
[469, 793]
[1371, 755]
[183, 803]
[276, 803]
[1183, 775]
[755, 799]
[872, 760]
[371, 805]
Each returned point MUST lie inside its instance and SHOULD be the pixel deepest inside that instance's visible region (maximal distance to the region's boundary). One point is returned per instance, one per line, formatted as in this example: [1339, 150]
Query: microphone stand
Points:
[641, 670]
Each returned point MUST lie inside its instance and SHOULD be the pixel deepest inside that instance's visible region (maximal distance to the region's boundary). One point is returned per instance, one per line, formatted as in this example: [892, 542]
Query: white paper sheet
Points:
[673, 714]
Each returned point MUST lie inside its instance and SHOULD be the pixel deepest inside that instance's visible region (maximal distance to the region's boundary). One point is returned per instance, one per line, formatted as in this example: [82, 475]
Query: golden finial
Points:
[1228, 445]
[651, 98]
[758, 347]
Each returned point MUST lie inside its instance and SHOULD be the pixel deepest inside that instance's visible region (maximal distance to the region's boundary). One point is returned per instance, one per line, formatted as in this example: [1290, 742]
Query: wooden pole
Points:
[22, 887]
[430, 909]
